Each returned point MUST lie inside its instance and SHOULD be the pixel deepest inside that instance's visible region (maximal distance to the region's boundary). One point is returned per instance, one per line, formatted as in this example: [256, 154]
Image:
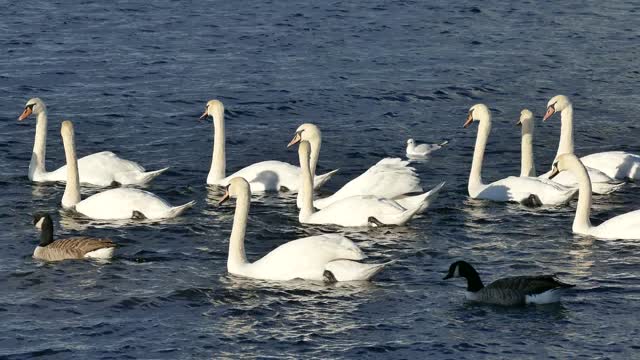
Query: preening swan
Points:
[325, 257]
[625, 226]
[390, 178]
[615, 164]
[269, 175]
[513, 188]
[357, 210]
[509, 291]
[113, 204]
[601, 183]
[81, 247]
[101, 169]
[422, 150]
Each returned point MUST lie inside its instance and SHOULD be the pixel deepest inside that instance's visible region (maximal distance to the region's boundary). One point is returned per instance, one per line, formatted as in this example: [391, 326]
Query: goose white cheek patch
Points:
[39, 223]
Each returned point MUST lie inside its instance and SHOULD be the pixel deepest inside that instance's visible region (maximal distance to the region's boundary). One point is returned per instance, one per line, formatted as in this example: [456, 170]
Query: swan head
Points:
[33, 106]
[66, 130]
[526, 118]
[557, 103]
[213, 108]
[237, 186]
[306, 132]
[562, 163]
[477, 112]
[411, 142]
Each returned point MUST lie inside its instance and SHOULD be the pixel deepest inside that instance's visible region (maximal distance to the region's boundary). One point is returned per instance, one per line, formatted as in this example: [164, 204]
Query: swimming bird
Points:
[328, 257]
[620, 165]
[80, 247]
[516, 290]
[101, 169]
[270, 175]
[421, 150]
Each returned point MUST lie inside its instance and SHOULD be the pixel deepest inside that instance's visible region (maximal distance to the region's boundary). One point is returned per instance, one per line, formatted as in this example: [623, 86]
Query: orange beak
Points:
[25, 114]
[296, 139]
[469, 120]
[224, 198]
[204, 115]
[550, 111]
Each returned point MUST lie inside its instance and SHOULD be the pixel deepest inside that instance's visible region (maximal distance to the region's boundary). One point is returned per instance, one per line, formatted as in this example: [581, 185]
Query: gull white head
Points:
[214, 108]
[477, 112]
[556, 104]
[306, 132]
[411, 142]
[33, 106]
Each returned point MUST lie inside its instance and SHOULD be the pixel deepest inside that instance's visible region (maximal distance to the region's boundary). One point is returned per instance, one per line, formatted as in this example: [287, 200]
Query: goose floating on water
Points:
[328, 257]
[271, 175]
[80, 247]
[102, 169]
[517, 290]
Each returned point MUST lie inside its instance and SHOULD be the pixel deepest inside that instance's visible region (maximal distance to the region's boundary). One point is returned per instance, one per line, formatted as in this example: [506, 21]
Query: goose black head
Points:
[465, 270]
[44, 223]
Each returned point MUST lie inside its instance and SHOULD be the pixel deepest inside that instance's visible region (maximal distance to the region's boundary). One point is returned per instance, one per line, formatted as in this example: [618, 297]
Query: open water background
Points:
[134, 77]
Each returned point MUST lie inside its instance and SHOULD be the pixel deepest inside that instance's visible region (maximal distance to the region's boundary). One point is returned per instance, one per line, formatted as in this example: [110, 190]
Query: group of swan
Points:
[382, 195]
[569, 175]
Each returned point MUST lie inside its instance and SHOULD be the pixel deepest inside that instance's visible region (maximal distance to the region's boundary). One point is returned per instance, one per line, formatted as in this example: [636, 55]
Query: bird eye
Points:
[30, 106]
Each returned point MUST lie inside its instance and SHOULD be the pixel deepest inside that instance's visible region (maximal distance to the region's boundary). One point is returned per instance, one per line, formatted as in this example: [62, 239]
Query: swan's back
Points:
[516, 188]
[304, 258]
[356, 210]
[625, 226]
[100, 168]
[120, 203]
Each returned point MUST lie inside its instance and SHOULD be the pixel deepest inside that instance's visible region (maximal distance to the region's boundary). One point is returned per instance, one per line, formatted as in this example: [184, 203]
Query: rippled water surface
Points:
[134, 77]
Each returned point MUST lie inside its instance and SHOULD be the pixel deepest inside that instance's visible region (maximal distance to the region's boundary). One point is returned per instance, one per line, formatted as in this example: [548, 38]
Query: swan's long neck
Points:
[582, 223]
[527, 165]
[71, 194]
[315, 153]
[39, 146]
[237, 256]
[566, 131]
[484, 128]
[218, 161]
[306, 187]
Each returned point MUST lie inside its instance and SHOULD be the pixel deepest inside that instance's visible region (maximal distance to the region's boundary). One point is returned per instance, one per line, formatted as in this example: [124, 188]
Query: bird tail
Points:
[178, 210]
[320, 180]
[422, 201]
[142, 178]
[445, 142]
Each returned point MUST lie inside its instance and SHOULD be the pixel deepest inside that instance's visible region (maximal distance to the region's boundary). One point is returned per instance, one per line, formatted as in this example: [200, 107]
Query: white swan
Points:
[113, 204]
[357, 210]
[513, 188]
[325, 257]
[101, 169]
[600, 182]
[271, 175]
[390, 178]
[619, 165]
[422, 150]
[625, 226]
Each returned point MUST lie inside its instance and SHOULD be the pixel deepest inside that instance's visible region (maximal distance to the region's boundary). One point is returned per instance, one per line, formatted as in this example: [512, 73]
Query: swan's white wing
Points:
[304, 258]
[601, 183]
[516, 188]
[616, 164]
[625, 226]
[98, 169]
[120, 203]
[356, 211]
[389, 178]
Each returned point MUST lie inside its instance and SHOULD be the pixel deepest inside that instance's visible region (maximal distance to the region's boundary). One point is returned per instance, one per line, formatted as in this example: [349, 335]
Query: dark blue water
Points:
[135, 76]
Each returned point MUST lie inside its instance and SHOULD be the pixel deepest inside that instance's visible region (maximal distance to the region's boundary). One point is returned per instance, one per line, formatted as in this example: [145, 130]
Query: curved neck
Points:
[473, 280]
[306, 186]
[566, 131]
[72, 189]
[39, 146]
[218, 161]
[46, 233]
[237, 255]
[484, 128]
[527, 164]
[581, 222]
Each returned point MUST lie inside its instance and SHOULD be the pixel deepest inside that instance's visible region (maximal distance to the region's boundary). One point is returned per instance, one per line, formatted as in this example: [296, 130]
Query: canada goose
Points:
[516, 290]
[80, 247]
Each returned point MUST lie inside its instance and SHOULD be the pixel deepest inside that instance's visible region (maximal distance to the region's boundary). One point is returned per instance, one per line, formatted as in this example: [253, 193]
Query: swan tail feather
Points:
[320, 180]
[348, 270]
[178, 210]
[445, 142]
[422, 201]
[128, 178]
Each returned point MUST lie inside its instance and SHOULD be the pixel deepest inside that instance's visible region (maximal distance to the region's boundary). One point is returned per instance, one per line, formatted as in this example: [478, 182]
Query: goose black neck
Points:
[473, 279]
[46, 232]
